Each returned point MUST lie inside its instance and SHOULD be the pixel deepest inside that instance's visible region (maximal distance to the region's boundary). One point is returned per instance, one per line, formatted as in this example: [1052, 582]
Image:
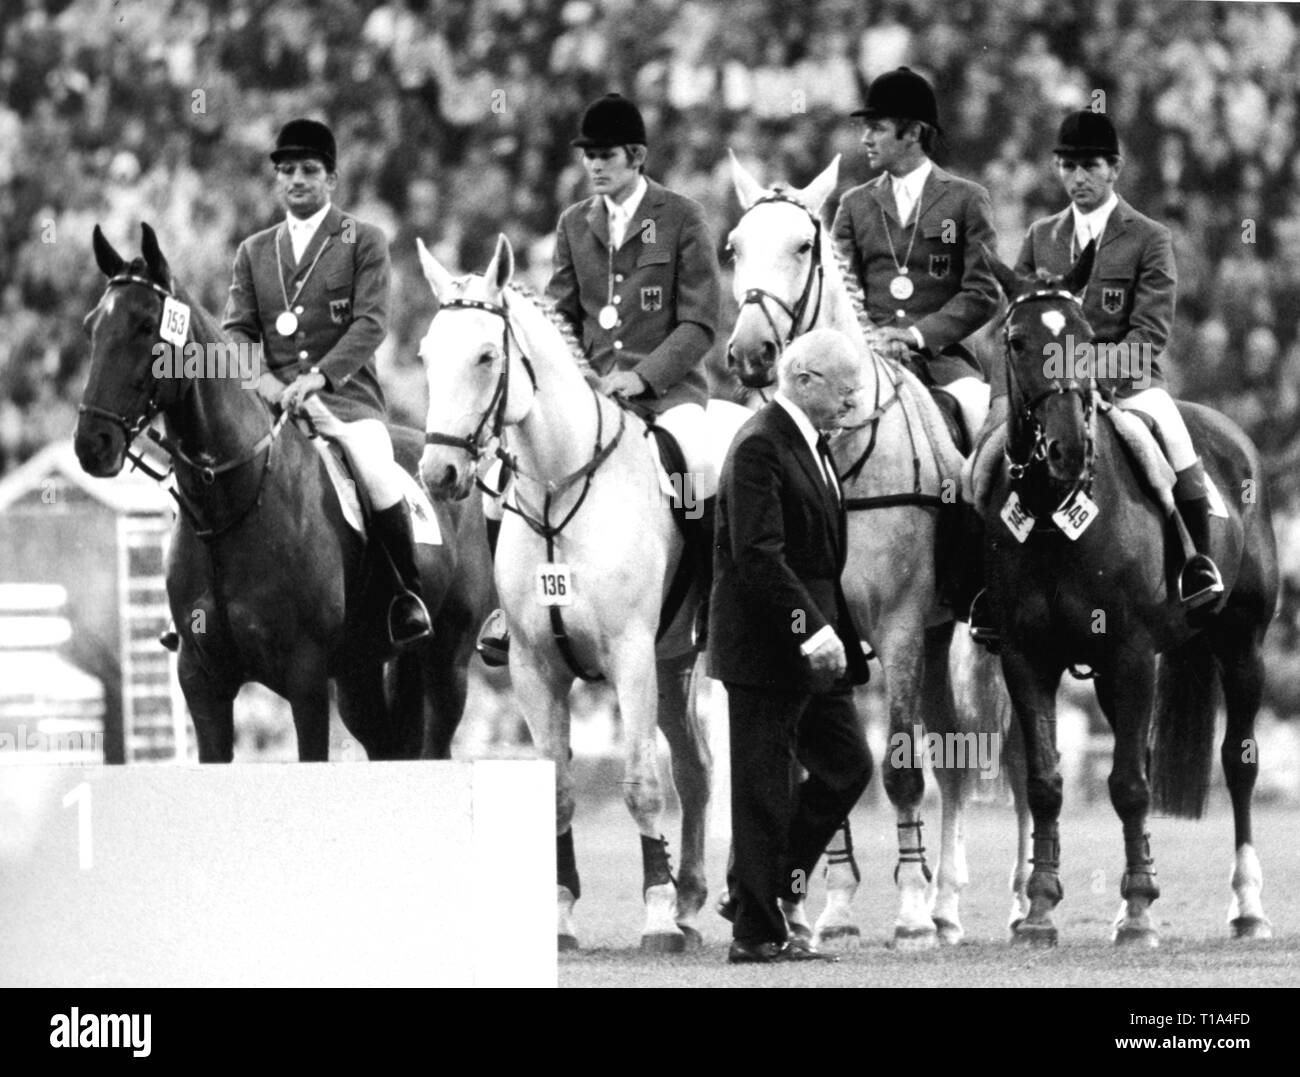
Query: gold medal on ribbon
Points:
[286, 324]
[608, 316]
[901, 287]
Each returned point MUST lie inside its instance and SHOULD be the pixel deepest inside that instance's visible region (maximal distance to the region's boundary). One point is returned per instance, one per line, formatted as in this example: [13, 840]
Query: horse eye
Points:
[1016, 345]
[806, 247]
[486, 356]
[729, 253]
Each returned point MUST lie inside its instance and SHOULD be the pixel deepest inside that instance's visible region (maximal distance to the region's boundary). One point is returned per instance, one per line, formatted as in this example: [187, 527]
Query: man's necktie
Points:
[617, 226]
[828, 465]
[1080, 241]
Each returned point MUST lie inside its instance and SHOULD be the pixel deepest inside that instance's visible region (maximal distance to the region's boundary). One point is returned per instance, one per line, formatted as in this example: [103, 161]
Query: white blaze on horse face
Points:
[1054, 320]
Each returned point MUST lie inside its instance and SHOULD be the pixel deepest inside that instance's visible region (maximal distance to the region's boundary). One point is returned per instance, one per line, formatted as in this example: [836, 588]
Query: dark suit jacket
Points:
[781, 542]
[668, 288]
[344, 305]
[955, 290]
[1130, 295]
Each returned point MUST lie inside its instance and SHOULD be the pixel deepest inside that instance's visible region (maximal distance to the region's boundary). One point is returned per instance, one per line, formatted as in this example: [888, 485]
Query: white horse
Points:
[584, 564]
[898, 468]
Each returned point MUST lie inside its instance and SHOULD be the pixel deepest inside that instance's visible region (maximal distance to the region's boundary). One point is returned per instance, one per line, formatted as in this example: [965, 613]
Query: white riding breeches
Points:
[688, 424]
[1157, 403]
[972, 396]
[369, 450]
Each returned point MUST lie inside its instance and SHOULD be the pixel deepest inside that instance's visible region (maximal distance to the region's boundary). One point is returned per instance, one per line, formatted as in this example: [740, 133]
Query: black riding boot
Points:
[702, 539]
[493, 644]
[408, 619]
[982, 629]
[1199, 583]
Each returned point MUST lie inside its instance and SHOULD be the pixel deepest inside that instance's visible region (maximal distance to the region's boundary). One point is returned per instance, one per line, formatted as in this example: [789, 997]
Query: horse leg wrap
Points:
[566, 864]
[911, 854]
[1139, 879]
[654, 862]
[1045, 880]
[843, 854]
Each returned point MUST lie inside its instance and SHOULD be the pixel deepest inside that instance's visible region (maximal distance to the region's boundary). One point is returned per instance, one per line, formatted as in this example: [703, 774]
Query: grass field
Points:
[1193, 860]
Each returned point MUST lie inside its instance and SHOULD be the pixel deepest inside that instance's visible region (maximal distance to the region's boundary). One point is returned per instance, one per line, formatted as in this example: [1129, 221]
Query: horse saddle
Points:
[424, 520]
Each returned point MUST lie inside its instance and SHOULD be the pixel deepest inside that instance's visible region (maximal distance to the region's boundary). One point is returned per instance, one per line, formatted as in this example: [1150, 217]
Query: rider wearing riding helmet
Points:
[1129, 302]
[636, 276]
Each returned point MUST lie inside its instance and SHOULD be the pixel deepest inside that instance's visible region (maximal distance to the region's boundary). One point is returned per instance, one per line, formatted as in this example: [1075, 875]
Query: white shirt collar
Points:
[1094, 223]
[308, 225]
[914, 180]
[628, 206]
[801, 420]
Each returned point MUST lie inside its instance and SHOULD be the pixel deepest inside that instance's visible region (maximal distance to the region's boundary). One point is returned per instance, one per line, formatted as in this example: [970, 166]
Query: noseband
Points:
[816, 270]
[492, 422]
[1029, 410]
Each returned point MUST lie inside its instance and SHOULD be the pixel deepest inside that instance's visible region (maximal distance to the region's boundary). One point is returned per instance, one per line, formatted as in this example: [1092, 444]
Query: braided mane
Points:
[561, 323]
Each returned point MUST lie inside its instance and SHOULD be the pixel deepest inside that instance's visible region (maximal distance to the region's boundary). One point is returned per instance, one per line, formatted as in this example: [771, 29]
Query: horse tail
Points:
[1182, 735]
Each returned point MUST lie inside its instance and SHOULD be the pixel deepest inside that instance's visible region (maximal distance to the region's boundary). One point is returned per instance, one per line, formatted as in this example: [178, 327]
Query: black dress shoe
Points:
[775, 953]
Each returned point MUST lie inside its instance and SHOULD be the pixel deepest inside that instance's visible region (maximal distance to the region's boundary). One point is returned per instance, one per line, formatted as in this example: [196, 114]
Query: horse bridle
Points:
[494, 414]
[154, 405]
[816, 271]
[1029, 410]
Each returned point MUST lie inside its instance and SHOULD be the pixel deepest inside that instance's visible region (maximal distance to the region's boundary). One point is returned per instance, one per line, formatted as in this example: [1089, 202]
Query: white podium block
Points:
[334, 874]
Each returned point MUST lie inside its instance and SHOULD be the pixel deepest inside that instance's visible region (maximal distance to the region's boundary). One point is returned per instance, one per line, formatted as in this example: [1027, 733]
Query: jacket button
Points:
[618, 299]
[618, 344]
[298, 309]
[302, 355]
[902, 314]
[618, 278]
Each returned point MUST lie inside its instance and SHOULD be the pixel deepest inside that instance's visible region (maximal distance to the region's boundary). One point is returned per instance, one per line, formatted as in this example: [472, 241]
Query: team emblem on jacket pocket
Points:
[652, 299]
[1112, 300]
[939, 265]
[340, 310]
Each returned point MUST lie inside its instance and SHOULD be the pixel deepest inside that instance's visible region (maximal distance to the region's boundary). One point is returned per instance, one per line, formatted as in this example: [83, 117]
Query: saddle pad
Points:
[984, 464]
[424, 520]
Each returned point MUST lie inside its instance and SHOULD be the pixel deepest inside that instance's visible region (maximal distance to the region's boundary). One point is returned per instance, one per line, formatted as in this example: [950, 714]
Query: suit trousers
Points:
[780, 826]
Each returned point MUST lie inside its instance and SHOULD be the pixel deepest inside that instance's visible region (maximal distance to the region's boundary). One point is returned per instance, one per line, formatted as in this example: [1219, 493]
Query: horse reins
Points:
[207, 472]
[816, 272]
[473, 445]
[1029, 410]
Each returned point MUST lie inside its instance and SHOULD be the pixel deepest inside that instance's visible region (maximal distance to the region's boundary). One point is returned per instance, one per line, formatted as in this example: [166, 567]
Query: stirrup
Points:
[1202, 566]
[409, 625]
[981, 631]
[493, 644]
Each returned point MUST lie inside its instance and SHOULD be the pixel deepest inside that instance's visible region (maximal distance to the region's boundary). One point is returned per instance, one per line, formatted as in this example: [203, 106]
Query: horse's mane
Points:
[203, 325]
[546, 306]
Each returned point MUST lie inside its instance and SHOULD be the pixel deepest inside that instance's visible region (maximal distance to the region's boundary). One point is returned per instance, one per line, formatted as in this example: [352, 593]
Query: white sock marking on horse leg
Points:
[1247, 881]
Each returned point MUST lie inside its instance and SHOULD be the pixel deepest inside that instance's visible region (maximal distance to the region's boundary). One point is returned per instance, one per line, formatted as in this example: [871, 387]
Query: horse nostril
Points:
[1055, 453]
[769, 352]
[449, 477]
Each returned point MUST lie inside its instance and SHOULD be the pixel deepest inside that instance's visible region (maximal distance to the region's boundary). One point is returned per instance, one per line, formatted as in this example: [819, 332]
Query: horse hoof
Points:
[909, 939]
[950, 934]
[566, 943]
[663, 942]
[1251, 927]
[1138, 937]
[1037, 936]
[694, 940]
[844, 939]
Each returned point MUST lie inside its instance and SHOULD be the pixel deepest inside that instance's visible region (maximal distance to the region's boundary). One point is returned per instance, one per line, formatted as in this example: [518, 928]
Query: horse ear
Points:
[153, 257]
[110, 262]
[748, 189]
[1077, 279]
[1006, 276]
[815, 194]
[439, 279]
[502, 267]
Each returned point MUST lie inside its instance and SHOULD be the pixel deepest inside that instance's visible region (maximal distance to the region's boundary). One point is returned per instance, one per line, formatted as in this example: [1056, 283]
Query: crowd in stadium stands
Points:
[454, 120]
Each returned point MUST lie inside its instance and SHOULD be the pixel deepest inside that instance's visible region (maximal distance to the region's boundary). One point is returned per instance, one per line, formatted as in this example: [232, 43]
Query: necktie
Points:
[903, 201]
[828, 465]
[617, 226]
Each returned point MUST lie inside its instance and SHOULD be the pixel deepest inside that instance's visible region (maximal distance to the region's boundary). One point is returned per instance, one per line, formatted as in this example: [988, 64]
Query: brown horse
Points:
[1079, 575]
[266, 580]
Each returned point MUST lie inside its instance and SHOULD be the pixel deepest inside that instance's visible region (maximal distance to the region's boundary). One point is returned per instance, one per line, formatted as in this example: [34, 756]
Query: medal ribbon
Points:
[916, 224]
[279, 264]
